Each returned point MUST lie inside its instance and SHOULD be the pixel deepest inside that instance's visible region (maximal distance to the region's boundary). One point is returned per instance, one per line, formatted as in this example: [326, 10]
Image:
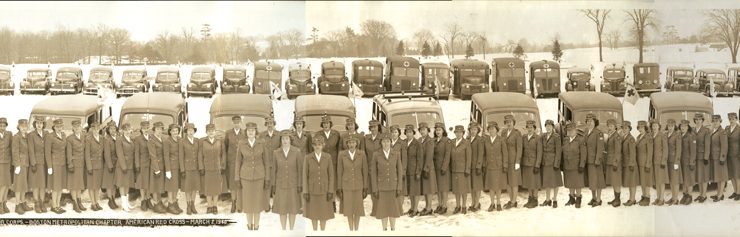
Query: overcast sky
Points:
[537, 21]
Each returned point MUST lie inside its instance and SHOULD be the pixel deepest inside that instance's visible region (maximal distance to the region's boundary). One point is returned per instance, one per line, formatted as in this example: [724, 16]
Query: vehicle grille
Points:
[405, 85]
[512, 85]
[335, 87]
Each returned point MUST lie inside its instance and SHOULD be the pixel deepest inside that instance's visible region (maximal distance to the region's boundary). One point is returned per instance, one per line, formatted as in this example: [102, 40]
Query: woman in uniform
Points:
[109, 171]
[252, 169]
[442, 166]
[425, 154]
[318, 185]
[288, 163]
[94, 146]
[613, 147]
[644, 150]
[594, 139]
[351, 127]
[37, 176]
[6, 139]
[398, 145]
[55, 153]
[156, 165]
[413, 169]
[513, 139]
[673, 137]
[460, 158]
[21, 163]
[660, 161]
[703, 142]
[574, 163]
[300, 137]
[495, 165]
[552, 178]
[718, 157]
[733, 154]
[531, 160]
[354, 183]
[688, 161]
[386, 186]
[231, 141]
[172, 166]
[189, 174]
[477, 152]
[76, 165]
[125, 164]
[212, 165]
[630, 170]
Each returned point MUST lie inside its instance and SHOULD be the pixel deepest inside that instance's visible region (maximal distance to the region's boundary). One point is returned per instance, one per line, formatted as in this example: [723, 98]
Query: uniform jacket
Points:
[400, 147]
[460, 156]
[76, 151]
[733, 143]
[141, 151]
[353, 174]
[551, 150]
[477, 152]
[231, 143]
[125, 152]
[613, 149]
[496, 157]
[574, 153]
[360, 141]
[109, 151]
[156, 153]
[660, 148]
[332, 144]
[55, 146]
[629, 151]
[36, 148]
[211, 155]
[188, 154]
[20, 150]
[644, 148]
[171, 152]
[531, 150]
[252, 162]
[442, 150]
[302, 141]
[318, 175]
[688, 149]
[718, 148]
[371, 145]
[415, 161]
[703, 140]
[94, 150]
[514, 144]
[426, 154]
[674, 147]
[386, 171]
[595, 146]
[287, 168]
[6, 147]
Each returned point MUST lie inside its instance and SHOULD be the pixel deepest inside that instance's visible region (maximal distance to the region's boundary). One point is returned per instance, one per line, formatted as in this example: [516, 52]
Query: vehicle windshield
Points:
[66, 75]
[4, 75]
[369, 71]
[66, 128]
[521, 118]
[100, 76]
[134, 119]
[334, 71]
[507, 72]
[614, 74]
[300, 74]
[415, 118]
[167, 76]
[200, 76]
[546, 73]
[681, 115]
[602, 115]
[313, 122]
[438, 72]
[407, 72]
[580, 76]
[682, 74]
[235, 74]
[264, 74]
[224, 123]
[132, 76]
[716, 77]
[37, 74]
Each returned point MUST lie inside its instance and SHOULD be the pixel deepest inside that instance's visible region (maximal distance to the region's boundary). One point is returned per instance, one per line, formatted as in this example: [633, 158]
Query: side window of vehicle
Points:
[652, 112]
[181, 118]
[91, 119]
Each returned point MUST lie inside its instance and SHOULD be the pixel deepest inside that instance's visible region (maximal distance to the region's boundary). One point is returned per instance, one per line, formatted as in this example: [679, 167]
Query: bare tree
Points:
[725, 25]
[641, 19]
[119, 39]
[422, 36]
[100, 40]
[452, 32]
[598, 16]
[612, 38]
[380, 33]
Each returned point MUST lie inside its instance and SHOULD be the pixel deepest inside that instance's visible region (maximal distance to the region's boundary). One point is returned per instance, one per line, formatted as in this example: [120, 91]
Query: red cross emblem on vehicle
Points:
[406, 63]
[269, 68]
[545, 66]
[511, 64]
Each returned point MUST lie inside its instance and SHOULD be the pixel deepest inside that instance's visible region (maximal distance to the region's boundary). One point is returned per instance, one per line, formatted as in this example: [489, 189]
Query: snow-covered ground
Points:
[698, 219]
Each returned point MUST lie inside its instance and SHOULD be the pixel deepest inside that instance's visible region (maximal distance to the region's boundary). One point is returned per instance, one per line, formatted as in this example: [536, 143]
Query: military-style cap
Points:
[395, 127]
[250, 125]
[509, 117]
[530, 123]
[460, 128]
[22, 122]
[318, 140]
[627, 124]
[144, 124]
[384, 136]
[351, 139]
[641, 123]
[269, 120]
[325, 119]
[190, 126]
[158, 125]
[94, 125]
[590, 116]
[373, 123]
[698, 116]
[671, 121]
[611, 122]
[236, 118]
[409, 127]
[549, 122]
[350, 121]
[209, 126]
[492, 124]
[732, 115]
[685, 122]
[125, 126]
[4, 121]
[173, 126]
[298, 120]
[76, 123]
[473, 125]
[570, 126]
[423, 125]
[57, 122]
[716, 118]
[439, 125]
[286, 132]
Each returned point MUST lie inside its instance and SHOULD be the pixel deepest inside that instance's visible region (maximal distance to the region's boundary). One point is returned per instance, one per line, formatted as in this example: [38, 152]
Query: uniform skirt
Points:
[595, 176]
[20, 181]
[675, 176]
[5, 175]
[443, 181]
[688, 175]
[630, 178]
[142, 178]
[733, 168]
[514, 176]
[387, 207]
[231, 182]
[58, 179]
[37, 179]
[287, 201]
[573, 179]
[476, 181]
[719, 172]
[460, 183]
[124, 180]
[351, 203]
[318, 208]
[646, 177]
[702, 170]
[172, 184]
[213, 181]
[614, 177]
[551, 178]
[191, 183]
[530, 180]
[108, 178]
[429, 183]
[413, 185]
[496, 179]
[253, 195]
[95, 180]
[156, 182]
[661, 175]
[76, 179]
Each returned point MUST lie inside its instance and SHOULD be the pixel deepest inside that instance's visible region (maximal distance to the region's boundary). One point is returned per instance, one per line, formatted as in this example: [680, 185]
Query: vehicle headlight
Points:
[208, 85]
[520, 83]
[343, 84]
[640, 82]
[575, 83]
[483, 86]
[588, 83]
[655, 81]
[259, 83]
[413, 84]
[538, 85]
[52, 84]
[467, 86]
[398, 83]
[359, 85]
[504, 83]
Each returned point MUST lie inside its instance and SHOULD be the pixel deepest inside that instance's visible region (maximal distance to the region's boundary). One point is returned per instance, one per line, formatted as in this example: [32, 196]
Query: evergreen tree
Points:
[518, 51]
[557, 53]
[400, 49]
[437, 49]
[469, 52]
[426, 50]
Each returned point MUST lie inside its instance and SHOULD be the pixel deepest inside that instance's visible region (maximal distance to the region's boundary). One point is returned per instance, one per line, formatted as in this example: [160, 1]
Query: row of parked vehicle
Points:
[461, 78]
